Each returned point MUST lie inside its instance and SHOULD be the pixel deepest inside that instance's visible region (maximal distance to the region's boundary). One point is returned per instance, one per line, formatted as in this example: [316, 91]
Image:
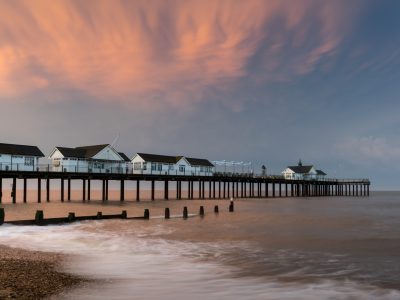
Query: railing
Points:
[8, 167]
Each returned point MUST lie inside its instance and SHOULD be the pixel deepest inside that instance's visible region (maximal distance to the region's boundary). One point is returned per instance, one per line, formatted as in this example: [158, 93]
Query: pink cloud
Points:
[143, 50]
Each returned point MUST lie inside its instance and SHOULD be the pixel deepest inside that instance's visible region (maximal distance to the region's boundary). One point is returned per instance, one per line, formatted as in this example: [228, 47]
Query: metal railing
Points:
[12, 167]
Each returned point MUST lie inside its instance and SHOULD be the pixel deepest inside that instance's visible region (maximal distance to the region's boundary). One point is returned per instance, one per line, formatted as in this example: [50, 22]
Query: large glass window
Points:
[159, 166]
[153, 166]
[137, 165]
[181, 168]
[29, 161]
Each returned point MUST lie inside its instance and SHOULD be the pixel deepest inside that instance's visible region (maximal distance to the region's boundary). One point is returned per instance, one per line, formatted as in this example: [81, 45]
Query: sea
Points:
[274, 248]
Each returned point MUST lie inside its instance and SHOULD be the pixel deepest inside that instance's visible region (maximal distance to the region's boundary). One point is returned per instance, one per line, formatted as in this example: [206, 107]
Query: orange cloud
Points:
[148, 50]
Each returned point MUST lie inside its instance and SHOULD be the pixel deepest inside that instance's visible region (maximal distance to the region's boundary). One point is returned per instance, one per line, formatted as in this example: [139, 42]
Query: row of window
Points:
[159, 167]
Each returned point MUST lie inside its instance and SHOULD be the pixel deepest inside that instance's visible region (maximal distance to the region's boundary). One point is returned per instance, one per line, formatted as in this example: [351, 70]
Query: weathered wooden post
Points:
[152, 190]
[201, 211]
[106, 189]
[62, 189]
[216, 210]
[68, 189]
[231, 206]
[13, 190]
[25, 188]
[71, 217]
[103, 190]
[166, 190]
[39, 217]
[167, 213]
[138, 190]
[2, 215]
[99, 215]
[47, 189]
[39, 190]
[124, 214]
[83, 190]
[146, 214]
[185, 212]
[122, 190]
[89, 190]
[1, 189]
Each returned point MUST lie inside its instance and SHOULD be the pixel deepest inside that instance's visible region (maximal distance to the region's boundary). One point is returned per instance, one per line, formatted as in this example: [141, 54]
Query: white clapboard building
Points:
[145, 163]
[19, 157]
[89, 159]
[303, 172]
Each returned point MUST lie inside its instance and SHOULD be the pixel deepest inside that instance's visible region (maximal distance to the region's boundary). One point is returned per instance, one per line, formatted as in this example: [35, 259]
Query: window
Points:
[201, 169]
[153, 166]
[137, 165]
[144, 166]
[181, 168]
[171, 167]
[29, 161]
[159, 167]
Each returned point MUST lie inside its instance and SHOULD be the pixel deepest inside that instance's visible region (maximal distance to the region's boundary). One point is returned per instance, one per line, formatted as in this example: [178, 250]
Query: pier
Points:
[219, 186]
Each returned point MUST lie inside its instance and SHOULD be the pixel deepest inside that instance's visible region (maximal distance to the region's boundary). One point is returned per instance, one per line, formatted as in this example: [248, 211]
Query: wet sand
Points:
[33, 274]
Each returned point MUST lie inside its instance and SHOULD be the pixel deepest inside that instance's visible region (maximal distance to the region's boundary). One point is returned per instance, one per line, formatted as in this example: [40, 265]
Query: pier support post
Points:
[106, 189]
[166, 190]
[25, 187]
[122, 190]
[103, 190]
[62, 189]
[138, 190]
[89, 196]
[273, 189]
[203, 189]
[200, 190]
[192, 189]
[177, 189]
[68, 189]
[280, 189]
[14, 190]
[224, 189]
[83, 190]
[209, 189]
[1, 189]
[152, 190]
[47, 189]
[213, 189]
[39, 190]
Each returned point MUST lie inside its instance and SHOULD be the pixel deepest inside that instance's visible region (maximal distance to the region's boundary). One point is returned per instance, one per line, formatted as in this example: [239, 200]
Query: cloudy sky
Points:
[262, 81]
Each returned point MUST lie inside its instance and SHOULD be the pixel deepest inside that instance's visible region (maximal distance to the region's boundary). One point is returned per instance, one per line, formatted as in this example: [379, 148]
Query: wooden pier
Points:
[197, 187]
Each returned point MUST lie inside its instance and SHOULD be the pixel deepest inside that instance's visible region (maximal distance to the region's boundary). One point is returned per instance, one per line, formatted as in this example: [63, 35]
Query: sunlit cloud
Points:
[150, 51]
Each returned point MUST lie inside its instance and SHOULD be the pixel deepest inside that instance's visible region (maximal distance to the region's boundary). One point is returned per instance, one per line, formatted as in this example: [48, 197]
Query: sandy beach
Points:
[33, 274]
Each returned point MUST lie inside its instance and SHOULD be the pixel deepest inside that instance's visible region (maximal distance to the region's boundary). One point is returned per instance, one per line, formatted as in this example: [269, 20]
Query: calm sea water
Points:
[299, 248]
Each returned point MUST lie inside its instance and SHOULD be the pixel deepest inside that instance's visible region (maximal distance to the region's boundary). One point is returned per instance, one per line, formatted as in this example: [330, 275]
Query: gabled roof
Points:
[320, 172]
[126, 158]
[86, 152]
[199, 162]
[91, 151]
[72, 152]
[301, 169]
[159, 158]
[23, 150]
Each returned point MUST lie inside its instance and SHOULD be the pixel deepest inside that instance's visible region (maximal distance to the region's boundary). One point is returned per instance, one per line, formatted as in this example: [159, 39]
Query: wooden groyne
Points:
[41, 220]
[197, 187]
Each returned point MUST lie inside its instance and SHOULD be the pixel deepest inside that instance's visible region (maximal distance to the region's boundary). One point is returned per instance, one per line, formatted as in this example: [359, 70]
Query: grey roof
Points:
[91, 151]
[122, 154]
[199, 162]
[22, 150]
[301, 169]
[86, 152]
[159, 158]
[320, 172]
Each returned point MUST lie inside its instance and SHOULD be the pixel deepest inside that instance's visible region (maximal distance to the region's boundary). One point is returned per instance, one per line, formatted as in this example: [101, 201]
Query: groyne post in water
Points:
[216, 209]
[201, 211]
[39, 217]
[231, 206]
[2, 216]
[71, 217]
[99, 215]
[185, 212]
[167, 213]
[124, 214]
[146, 214]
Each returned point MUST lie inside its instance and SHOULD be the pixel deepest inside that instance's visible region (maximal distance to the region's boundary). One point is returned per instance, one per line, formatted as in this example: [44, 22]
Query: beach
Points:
[287, 248]
[33, 274]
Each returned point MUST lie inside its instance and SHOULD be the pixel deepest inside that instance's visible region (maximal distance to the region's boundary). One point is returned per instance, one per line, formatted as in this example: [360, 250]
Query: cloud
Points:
[370, 150]
[147, 51]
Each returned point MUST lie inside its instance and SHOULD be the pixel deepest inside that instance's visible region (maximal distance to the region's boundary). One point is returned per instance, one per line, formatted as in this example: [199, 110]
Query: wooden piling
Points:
[88, 189]
[146, 214]
[137, 190]
[83, 190]
[68, 189]
[71, 217]
[167, 213]
[166, 189]
[1, 189]
[231, 206]
[201, 212]
[216, 210]
[185, 212]
[47, 189]
[14, 190]
[124, 214]
[152, 190]
[99, 215]
[25, 190]
[2, 215]
[39, 217]
[122, 190]
[62, 189]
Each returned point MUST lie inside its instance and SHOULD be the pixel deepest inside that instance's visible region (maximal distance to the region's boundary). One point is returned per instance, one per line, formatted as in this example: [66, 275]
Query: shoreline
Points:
[29, 274]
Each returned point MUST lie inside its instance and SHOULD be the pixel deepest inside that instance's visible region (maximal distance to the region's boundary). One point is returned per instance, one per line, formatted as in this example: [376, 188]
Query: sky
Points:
[266, 81]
